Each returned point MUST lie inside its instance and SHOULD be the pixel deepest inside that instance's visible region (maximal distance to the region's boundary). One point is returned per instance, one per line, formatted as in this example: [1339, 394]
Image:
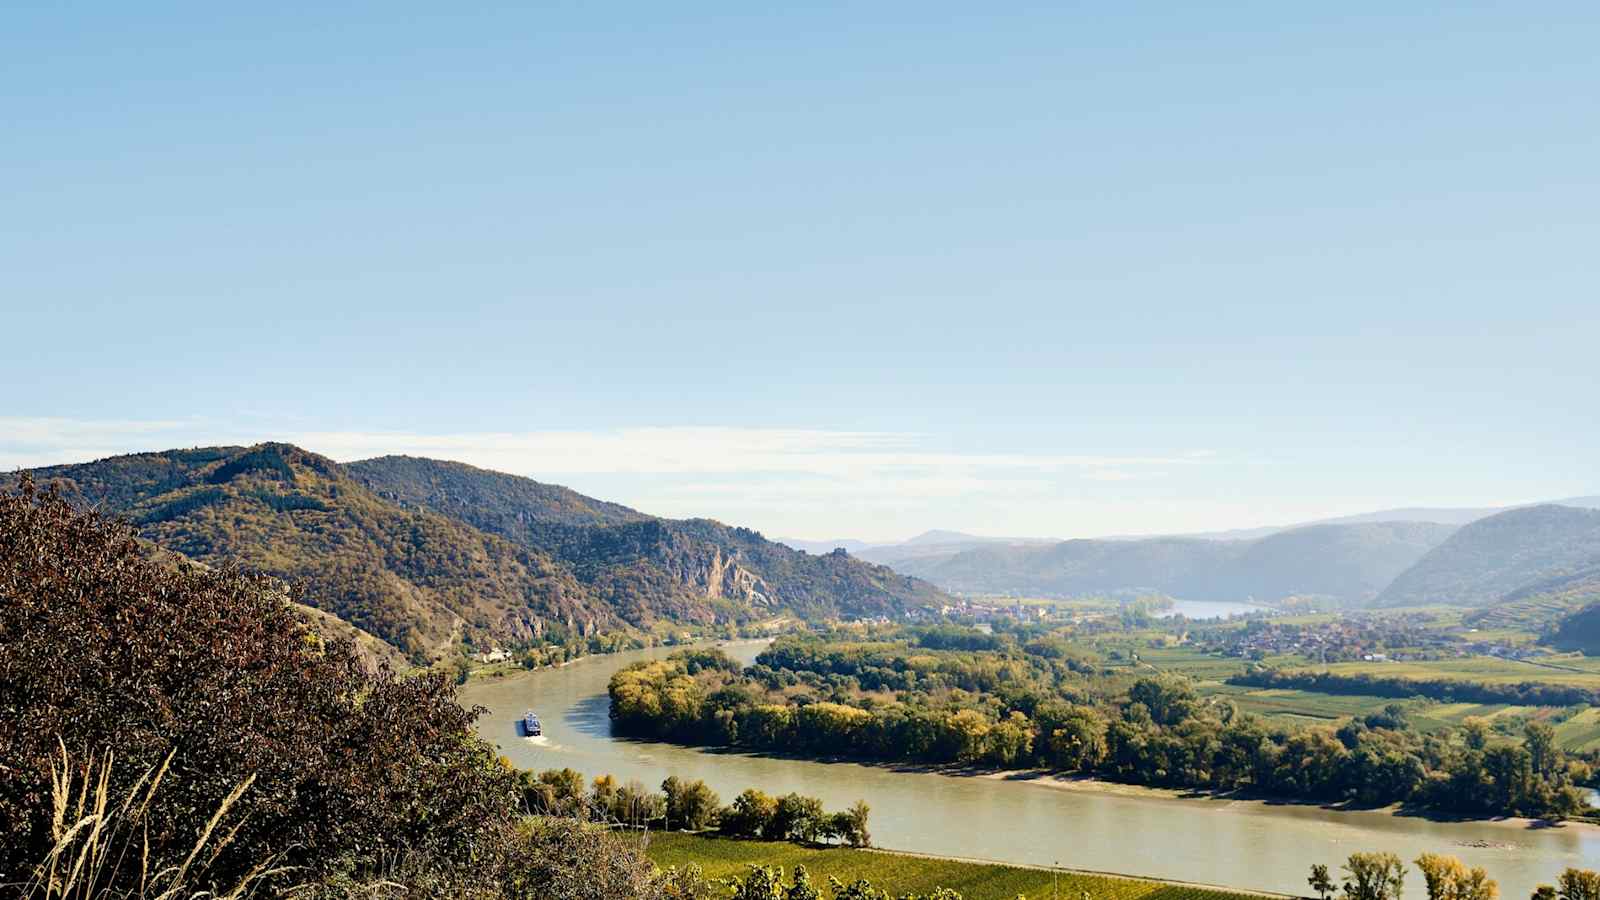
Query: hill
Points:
[1348, 563]
[1172, 566]
[417, 580]
[427, 555]
[252, 757]
[1502, 554]
[1581, 630]
[692, 569]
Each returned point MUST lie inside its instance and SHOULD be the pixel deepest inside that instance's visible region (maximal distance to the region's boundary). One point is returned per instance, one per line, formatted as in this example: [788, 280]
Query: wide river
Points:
[1235, 843]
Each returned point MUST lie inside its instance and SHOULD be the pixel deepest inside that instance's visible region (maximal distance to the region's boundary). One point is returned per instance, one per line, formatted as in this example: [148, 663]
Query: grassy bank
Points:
[904, 873]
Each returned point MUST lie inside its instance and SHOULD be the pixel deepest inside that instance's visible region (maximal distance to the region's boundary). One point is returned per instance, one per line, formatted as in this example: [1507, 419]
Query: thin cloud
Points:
[847, 455]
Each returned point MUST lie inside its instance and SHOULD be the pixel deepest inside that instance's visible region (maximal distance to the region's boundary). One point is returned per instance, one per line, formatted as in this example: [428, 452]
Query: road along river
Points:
[1244, 844]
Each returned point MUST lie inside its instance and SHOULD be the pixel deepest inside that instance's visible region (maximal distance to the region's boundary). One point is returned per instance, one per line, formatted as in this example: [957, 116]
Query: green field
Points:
[1487, 669]
[899, 873]
[1303, 705]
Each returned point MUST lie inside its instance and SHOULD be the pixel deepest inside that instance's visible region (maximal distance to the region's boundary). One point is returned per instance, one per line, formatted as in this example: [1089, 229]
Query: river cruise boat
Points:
[530, 724]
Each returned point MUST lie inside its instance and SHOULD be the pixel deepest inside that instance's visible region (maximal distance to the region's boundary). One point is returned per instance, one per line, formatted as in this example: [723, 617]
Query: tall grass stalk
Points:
[95, 836]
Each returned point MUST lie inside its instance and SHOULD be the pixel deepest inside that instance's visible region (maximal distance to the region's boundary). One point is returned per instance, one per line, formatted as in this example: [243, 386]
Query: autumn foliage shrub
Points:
[104, 647]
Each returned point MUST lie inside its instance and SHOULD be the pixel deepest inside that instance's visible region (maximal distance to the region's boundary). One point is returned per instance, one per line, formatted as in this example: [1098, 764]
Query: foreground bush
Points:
[213, 678]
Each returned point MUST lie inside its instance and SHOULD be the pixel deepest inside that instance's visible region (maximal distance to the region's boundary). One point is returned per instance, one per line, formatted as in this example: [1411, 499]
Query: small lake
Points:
[1235, 843]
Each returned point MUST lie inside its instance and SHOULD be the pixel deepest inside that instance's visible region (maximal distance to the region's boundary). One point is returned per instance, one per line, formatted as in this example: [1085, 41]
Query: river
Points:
[1236, 843]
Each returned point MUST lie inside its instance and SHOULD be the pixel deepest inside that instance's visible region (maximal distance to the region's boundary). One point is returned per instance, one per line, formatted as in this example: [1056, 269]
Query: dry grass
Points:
[101, 846]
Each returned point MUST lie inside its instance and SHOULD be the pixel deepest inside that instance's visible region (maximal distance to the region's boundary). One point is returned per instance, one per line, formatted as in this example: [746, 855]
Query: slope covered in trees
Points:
[1581, 629]
[1345, 562]
[1503, 554]
[699, 568]
[415, 579]
[425, 554]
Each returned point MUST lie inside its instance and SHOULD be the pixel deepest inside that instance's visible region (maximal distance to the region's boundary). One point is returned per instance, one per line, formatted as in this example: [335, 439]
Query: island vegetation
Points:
[946, 695]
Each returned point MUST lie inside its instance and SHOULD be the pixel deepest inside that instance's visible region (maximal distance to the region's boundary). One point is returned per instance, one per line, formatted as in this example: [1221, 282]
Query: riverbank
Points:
[903, 872]
[1084, 783]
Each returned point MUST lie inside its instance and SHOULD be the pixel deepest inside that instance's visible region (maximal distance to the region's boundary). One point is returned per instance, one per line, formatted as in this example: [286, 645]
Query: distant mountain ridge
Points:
[1346, 559]
[950, 542]
[1345, 563]
[423, 553]
[1502, 555]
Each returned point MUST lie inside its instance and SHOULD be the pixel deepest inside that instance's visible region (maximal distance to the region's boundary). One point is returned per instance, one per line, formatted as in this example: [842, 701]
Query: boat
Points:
[530, 724]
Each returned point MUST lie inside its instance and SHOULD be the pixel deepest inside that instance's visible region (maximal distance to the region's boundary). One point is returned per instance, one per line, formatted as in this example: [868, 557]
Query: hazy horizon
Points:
[570, 460]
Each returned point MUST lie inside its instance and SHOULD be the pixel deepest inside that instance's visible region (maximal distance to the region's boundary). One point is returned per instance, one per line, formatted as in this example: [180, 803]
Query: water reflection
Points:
[590, 716]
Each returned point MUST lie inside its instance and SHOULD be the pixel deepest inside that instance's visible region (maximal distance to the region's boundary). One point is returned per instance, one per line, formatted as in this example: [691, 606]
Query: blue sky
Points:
[1063, 269]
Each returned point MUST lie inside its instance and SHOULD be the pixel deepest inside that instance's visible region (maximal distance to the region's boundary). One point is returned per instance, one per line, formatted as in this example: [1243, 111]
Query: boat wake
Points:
[540, 741]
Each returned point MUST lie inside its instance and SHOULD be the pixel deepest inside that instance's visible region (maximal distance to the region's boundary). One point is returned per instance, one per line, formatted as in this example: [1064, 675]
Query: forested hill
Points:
[424, 554]
[706, 567]
[1349, 562]
[418, 580]
[1580, 630]
[507, 505]
[1508, 553]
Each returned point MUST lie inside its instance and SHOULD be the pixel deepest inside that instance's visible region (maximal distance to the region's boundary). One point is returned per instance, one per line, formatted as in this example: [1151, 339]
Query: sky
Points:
[836, 270]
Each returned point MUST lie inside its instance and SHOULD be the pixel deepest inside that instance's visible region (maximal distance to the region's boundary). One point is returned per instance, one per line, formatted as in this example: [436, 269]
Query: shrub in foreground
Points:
[214, 678]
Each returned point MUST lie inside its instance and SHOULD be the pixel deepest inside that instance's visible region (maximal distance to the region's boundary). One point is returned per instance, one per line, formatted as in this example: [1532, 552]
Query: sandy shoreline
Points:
[1226, 802]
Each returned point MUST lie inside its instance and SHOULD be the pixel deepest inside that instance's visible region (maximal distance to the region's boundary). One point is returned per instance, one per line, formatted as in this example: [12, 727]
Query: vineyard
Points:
[901, 873]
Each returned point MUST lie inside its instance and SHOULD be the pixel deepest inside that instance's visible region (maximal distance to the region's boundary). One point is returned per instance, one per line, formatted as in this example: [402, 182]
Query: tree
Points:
[1010, 740]
[636, 807]
[603, 798]
[1475, 731]
[1072, 738]
[1373, 876]
[750, 815]
[1579, 884]
[1169, 698]
[1448, 878]
[554, 792]
[965, 735]
[1320, 881]
[797, 818]
[854, 822]
[690, 805]
[1544, 892]
[1540, 740]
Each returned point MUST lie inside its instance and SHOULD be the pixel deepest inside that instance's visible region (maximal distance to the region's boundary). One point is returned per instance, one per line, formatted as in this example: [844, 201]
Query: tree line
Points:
[690, 805]
[1380, 876]
[1526, 693]
[1004, 709]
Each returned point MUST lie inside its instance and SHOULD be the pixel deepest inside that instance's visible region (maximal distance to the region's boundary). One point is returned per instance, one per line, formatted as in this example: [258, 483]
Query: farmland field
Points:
[899, 873]
[1486, 669]
[1295, 703]
[1581, 732]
